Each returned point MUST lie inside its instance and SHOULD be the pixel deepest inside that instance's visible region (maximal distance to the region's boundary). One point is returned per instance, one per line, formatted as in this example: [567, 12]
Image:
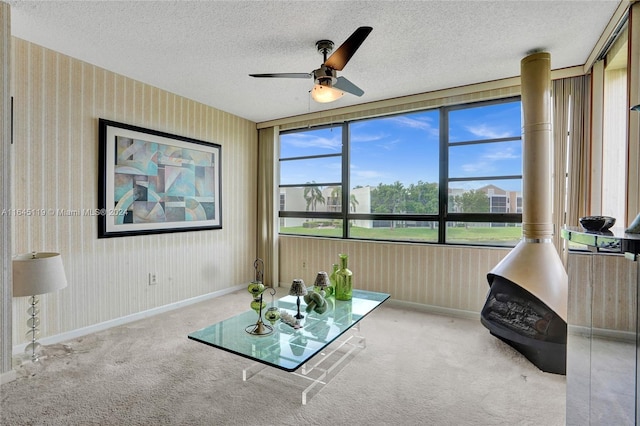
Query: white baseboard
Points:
[74, 334]
[601, 333]
[458, 313]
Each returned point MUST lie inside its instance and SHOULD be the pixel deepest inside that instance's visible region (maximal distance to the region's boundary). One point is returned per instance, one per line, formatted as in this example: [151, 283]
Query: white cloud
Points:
[363, 137]
[497, 155]
[422, 123]
[478, 166]
[304, 140]
[365, 175]
[486, 163]
[486, 132]
[389, 145]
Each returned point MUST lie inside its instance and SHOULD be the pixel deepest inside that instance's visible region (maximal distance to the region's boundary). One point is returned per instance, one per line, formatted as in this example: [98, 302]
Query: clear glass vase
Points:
[332, 280]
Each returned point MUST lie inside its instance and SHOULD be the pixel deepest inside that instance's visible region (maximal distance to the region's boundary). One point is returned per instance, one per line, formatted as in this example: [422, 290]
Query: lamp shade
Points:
[322, 280]
[297, 288]
[324, 93]
[37, 273]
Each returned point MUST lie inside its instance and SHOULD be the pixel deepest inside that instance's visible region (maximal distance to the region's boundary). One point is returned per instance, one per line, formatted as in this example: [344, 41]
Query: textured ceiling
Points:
[204, 50]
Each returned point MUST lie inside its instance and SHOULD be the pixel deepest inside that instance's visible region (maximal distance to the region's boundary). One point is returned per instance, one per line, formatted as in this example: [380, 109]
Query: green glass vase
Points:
[344, 280]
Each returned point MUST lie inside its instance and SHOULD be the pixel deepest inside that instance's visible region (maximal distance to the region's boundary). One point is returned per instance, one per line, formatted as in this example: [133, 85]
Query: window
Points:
[311, 182]
[446, 175]
[484, 180]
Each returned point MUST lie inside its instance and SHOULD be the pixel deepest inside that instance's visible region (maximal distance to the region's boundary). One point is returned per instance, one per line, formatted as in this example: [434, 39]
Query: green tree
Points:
[387, 198]
[472, 202]
[422, 198]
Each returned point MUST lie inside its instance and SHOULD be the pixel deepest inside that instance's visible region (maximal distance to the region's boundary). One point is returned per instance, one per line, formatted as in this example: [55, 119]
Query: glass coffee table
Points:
[313, 351]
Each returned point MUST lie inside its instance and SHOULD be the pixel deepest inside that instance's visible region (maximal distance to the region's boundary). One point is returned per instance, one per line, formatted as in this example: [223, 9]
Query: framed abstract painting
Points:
[153, 182]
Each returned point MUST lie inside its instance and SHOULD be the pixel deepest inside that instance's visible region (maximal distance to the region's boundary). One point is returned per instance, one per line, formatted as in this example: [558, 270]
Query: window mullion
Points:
[443, 190]
[346, 161]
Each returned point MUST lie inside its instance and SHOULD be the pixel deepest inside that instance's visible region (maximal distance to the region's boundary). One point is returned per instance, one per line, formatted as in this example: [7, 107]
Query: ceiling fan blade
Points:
[340, 57]
[347, 86]
[283, 75]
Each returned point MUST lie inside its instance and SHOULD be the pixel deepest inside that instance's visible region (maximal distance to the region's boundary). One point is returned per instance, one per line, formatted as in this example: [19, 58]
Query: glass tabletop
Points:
[288, 348]
[615, 240]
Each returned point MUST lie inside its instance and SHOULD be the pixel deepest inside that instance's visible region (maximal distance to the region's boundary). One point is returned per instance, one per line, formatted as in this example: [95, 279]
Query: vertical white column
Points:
[5, 190]
[537, 221]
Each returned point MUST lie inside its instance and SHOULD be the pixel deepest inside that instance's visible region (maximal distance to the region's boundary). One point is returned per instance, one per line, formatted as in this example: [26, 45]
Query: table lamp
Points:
[298, 289]
[34, 274]
[322, 283]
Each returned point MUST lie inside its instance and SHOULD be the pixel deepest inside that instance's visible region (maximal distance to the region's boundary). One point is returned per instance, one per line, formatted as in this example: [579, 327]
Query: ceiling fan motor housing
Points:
[324, 75]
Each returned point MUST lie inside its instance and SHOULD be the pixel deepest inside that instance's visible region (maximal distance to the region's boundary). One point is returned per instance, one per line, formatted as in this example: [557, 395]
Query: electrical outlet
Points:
[153, 278]
[304, 264]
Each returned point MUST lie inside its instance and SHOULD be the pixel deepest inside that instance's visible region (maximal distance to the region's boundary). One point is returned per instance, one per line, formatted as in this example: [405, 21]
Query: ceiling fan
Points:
[328, 86]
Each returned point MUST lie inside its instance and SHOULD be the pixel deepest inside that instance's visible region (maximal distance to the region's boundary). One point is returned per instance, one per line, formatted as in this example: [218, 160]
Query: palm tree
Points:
[353, 202]
[336, 194]
[313, 196]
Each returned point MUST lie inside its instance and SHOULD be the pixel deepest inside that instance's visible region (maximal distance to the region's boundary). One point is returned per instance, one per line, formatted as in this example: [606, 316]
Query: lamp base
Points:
[298, 315]
[33, 322]
[259, 329]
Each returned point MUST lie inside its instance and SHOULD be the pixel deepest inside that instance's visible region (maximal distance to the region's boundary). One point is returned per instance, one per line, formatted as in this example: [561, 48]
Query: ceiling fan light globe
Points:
[324, 94]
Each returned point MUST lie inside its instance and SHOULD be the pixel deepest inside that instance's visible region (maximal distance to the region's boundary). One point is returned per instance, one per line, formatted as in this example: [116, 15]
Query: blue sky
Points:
[405, 148]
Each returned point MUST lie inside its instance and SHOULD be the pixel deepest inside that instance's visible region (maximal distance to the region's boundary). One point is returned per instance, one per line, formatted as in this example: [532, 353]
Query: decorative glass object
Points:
[256, 288]
[273, 313]
[258, 305]
[332, 279]
[344, 280]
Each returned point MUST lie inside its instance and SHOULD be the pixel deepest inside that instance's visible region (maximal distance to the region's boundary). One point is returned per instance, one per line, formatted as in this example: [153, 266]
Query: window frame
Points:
[445, 179]
[314, 214]
[443, 217]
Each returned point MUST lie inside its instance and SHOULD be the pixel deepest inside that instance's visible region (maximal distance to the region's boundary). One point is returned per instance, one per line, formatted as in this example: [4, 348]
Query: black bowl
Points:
[597, 223]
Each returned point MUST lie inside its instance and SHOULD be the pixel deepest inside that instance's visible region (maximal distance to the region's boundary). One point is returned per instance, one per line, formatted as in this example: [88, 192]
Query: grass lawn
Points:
[472, 234]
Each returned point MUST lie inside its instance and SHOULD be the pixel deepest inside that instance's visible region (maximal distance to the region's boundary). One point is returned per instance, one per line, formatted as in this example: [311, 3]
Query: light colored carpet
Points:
[417, 369]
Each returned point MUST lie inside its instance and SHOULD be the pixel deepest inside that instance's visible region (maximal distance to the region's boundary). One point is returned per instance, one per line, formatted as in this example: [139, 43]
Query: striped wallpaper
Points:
[455, 277]
[444, 276]
[5, 190]
[58, 101]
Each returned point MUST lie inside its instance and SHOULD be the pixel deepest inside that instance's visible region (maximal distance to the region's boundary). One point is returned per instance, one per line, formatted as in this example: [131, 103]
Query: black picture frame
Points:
[152, 182]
